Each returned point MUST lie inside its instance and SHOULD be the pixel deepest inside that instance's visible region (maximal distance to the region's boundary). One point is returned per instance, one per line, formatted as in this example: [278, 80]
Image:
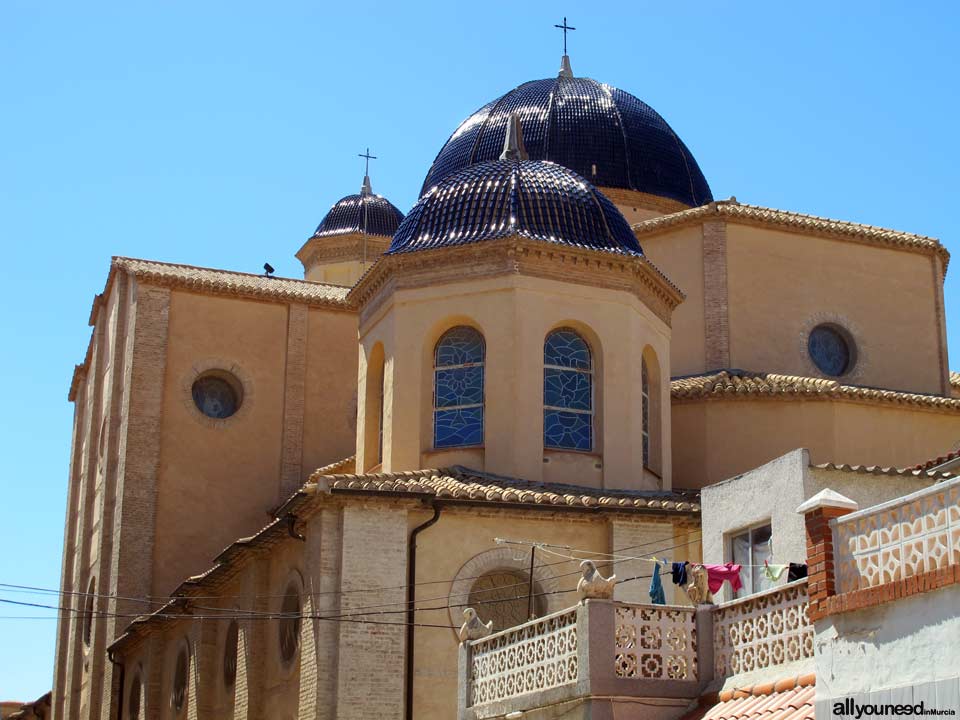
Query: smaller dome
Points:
[365, 212]
[533, 199]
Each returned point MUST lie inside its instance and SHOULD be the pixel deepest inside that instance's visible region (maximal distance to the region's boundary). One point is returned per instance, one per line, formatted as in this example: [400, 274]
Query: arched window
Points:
[645, 412]
[458, 388]
[88, 608]
[567, 391]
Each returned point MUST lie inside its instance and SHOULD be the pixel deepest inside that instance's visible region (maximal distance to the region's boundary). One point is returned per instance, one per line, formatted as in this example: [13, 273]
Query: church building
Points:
[284, 493]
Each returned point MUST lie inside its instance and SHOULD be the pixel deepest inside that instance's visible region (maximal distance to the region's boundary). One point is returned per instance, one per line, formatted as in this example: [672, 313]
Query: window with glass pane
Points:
[567, 392]
[458, 389]
[645, 411]
[751, 549]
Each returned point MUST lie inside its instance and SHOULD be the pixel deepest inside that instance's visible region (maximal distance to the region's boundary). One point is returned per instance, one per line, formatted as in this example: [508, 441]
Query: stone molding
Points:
[516, 256]
[226, 365]
[635, 198]
[755, 215]
[502, 558]
[861, 349]
[341, 248]
[744, 385]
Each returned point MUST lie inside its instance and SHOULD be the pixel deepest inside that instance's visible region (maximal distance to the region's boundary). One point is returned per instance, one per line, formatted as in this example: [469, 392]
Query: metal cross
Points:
[564, 27]
[370, 157]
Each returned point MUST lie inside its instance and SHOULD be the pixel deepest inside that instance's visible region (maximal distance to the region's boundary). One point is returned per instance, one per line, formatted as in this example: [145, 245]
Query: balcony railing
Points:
[600, 648]
[911, 535]
[762, 630]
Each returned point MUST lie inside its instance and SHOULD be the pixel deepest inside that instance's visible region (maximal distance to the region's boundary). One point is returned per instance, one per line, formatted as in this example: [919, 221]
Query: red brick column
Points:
[817, 512]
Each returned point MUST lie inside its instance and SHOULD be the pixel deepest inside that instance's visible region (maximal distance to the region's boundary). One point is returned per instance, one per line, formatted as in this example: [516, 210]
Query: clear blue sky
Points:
[218, 134]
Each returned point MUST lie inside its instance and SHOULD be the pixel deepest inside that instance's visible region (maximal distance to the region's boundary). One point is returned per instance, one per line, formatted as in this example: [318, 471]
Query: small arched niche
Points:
[651, 430]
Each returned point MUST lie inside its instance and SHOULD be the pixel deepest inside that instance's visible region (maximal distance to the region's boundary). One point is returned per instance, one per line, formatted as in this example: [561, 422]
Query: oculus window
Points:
[501, 596]
[832, 350]
[458, 388]
[567, 392]
[217, 394]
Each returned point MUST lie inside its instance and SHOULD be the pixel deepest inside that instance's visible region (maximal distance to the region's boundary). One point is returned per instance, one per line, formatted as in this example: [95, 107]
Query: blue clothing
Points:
[656, 587]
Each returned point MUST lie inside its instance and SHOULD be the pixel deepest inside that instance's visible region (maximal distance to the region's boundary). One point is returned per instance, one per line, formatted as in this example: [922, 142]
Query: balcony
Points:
[910, 536]
[620, 653]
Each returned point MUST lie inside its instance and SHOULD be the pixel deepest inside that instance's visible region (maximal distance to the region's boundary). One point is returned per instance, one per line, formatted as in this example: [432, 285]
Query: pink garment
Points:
[716, 574]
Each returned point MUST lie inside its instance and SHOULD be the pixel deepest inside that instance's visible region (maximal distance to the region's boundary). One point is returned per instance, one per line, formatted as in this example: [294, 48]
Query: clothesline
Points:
[619, 558]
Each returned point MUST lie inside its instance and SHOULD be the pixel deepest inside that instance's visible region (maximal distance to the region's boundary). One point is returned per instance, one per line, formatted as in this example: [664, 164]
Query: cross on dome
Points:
[565, 70]
[366, 189]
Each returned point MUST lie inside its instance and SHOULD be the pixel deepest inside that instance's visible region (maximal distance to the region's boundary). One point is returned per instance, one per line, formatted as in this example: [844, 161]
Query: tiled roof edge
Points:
[793, 221]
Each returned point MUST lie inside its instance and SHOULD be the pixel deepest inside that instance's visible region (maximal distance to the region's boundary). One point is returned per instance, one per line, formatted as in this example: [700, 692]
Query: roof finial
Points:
[565, 70]
[513, 148]
[365, 189]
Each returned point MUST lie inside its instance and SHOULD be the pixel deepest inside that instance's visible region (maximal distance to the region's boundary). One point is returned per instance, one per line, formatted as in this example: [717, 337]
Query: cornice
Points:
[757, 216]
[516, 255]
[743, 385]
[341, 248]
[635, 198]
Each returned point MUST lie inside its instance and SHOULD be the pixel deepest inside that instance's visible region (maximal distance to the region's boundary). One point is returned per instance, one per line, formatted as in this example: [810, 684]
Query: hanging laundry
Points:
[679, 572]
[716, 574]
[773, 572]
[797, 571]
[656, 587]
[697, 589]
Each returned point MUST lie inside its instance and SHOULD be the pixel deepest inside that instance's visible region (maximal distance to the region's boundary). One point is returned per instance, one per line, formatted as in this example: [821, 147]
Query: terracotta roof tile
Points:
[937, 461]
[734, 211]
[460, 483]
[955, 380]
[878, 470]
[787, 699]
[732, 383]
[227, 282]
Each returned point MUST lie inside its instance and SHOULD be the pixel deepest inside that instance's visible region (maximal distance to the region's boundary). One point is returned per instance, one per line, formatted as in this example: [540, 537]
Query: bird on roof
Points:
[593, 585]
[473, 628]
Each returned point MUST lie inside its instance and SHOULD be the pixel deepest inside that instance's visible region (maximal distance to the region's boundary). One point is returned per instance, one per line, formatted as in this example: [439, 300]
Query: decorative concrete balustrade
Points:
[606, 649]
[762, 630]
[600, 648]
[915, 534]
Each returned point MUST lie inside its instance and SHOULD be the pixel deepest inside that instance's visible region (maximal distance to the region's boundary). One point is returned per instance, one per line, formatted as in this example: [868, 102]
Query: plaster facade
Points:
[776, 490]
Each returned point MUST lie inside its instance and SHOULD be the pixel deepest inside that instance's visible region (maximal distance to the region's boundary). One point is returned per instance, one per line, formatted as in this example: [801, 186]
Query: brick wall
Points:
[715, 297]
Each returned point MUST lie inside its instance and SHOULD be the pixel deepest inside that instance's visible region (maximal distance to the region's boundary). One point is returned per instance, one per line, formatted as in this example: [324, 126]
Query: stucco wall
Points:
[782, 284]
[893, 643]
[515, 313]
[679, 254]
[725, 437]
[771, 494]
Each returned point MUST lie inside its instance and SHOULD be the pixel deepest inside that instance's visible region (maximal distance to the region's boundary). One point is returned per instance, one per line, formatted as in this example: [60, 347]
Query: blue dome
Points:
[358, 213]
[537, 200]
[604, 134]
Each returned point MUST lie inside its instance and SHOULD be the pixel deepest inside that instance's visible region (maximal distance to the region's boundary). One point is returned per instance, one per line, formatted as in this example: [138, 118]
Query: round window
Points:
[178, 696]
[289, 624]
[831, 350]
[230, 654]
[217, 395]
[133, 703]
[501, 596]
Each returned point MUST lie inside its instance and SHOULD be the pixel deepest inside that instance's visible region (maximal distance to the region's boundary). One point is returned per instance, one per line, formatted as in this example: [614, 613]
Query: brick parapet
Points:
[821, 581]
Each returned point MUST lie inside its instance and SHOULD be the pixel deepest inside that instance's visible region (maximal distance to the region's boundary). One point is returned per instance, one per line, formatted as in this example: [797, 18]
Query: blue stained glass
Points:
[458, 389]
[457, 428]
[566, 349]
[566, 389]
[567, 392]
[459, 346]
[567, 430]
[459, 386]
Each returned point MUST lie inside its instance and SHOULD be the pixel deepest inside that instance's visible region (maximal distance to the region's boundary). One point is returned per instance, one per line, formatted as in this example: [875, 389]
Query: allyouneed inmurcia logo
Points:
[857, 710]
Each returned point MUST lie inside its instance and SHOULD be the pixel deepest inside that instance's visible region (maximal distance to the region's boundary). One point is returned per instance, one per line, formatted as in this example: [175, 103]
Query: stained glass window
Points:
[458, 388]
[215, 396]
[829, 350]
[567, 391]
[645, 392]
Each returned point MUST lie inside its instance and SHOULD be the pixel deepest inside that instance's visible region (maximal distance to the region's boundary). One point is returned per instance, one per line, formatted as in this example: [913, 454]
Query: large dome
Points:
[365, 212]
[604, 134]
[537, 200]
